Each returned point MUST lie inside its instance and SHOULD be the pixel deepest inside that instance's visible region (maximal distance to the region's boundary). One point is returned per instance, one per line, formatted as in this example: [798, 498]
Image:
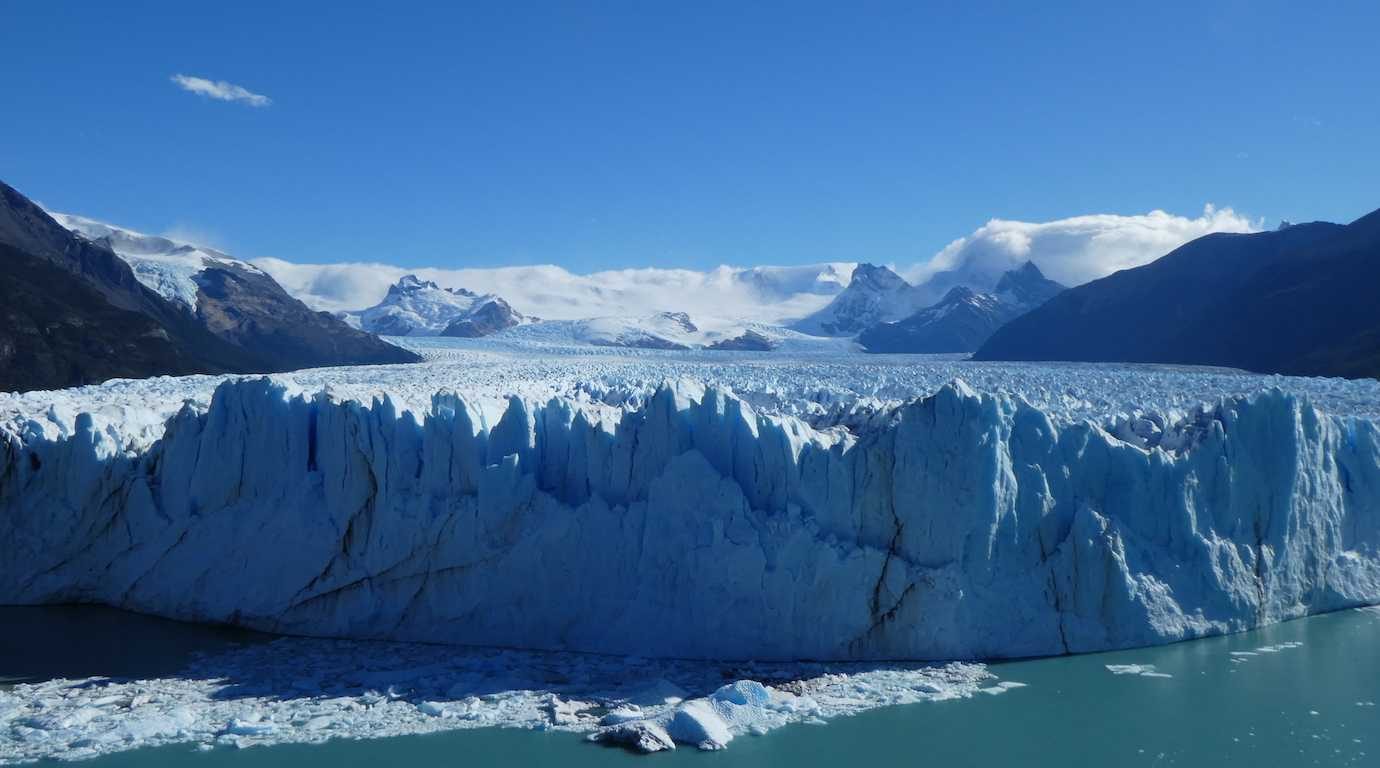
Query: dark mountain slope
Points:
[74, 313]
[250, 310]
[1300, 300]
[58, 331]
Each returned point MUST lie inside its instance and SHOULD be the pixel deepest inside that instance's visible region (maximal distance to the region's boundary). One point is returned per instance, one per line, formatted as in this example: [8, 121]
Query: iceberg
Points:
[687, 522]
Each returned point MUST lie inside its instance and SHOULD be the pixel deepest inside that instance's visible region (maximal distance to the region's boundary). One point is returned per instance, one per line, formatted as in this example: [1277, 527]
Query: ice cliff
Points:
[958, 525]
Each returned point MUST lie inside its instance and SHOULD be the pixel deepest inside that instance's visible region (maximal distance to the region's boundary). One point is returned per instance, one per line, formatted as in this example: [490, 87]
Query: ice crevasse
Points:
[958, 525]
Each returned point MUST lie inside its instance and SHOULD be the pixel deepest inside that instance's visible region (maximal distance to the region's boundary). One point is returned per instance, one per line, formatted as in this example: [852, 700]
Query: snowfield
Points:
[809, 503]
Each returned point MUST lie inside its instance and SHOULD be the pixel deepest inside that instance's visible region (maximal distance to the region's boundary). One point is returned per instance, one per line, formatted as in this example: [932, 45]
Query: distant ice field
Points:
[825, 386]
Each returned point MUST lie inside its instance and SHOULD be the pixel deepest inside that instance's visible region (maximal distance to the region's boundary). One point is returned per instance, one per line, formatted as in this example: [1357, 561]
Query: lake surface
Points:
[1297, 694]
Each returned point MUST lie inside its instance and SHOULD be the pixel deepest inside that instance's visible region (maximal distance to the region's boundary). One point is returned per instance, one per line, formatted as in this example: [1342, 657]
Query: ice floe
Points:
[1140, 670]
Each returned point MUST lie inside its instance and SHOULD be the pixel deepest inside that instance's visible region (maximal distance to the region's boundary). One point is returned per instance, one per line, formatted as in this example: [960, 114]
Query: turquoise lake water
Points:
[1310, 704]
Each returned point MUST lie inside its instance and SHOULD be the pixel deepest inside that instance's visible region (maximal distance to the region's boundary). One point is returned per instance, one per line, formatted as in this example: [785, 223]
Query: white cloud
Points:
[1071, 251]
[220, 90]
[766, 294]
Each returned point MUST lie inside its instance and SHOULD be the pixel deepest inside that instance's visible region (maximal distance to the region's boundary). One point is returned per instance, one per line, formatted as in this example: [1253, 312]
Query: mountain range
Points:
[1300, 300]
[965, 317]
[82, 301]
[79, 307]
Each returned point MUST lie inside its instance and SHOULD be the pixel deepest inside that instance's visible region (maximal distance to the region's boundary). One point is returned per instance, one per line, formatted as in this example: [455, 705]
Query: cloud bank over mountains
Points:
[1071, 251]
[1075, 250]
[763, 294]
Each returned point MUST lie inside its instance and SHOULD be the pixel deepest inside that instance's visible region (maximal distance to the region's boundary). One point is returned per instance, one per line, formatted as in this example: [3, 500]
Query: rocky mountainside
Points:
[1299, 300]
[964, 318]
[76, 312]
[874, 295]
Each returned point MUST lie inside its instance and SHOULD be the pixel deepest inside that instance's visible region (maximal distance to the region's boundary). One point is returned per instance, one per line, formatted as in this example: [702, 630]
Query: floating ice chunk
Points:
[1285, 646]
[1141, 670]
[1001, 687]
[564, 712]
[642, 735]
[697, 722]
[622, 715]
[249, 726]
[142, 728]
[743, 693]
[434, 708]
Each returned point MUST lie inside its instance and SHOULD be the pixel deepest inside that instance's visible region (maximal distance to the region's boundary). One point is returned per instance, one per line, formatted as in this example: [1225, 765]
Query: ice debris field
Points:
[777, 507]
[308, 690]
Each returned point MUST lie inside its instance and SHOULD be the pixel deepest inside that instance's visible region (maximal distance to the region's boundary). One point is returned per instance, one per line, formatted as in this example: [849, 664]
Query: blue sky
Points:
[608, 135]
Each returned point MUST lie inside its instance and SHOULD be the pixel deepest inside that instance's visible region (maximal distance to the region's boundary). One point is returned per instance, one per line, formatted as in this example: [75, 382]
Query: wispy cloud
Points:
[220, 90]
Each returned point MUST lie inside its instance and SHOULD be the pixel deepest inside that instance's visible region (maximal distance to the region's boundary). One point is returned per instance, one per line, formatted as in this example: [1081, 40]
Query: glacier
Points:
[702, 507]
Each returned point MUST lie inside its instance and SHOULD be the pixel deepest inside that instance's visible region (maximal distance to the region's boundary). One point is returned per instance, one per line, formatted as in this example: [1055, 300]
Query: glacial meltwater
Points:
[1295, 694]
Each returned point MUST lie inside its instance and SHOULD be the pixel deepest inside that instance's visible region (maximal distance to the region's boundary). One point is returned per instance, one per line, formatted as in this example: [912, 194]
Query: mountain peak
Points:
[874, 294]
[1027, 285]
[414, 283]
[958, 293]
[417, 307]
[876, 277]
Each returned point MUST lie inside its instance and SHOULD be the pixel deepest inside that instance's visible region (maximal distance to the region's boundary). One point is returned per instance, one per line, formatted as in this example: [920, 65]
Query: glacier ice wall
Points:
[962, 525]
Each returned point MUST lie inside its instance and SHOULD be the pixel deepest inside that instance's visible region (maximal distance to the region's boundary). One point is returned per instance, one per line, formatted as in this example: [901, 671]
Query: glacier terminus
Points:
[702, 506]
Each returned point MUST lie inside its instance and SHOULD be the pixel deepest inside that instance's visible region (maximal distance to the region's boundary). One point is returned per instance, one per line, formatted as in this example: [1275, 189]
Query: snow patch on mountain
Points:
[168, 267]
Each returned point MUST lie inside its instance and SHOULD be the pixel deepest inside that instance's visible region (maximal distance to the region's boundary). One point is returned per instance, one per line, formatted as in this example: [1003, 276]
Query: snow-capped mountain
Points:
[874, 295]
[964, 318]
[1026, 287]
[94, 302]
[417, 307]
